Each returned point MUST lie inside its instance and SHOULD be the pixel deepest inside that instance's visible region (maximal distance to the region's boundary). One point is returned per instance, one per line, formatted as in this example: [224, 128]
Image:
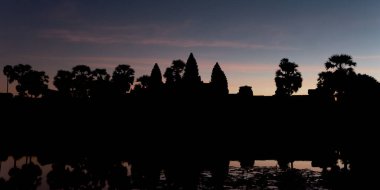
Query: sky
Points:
[248, 38]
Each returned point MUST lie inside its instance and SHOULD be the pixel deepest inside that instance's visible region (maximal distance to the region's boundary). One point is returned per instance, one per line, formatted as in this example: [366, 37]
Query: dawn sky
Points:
[247, 38]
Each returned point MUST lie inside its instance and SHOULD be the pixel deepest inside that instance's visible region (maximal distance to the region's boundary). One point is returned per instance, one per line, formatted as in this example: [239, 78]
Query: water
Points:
[301, 165]
[264, 175]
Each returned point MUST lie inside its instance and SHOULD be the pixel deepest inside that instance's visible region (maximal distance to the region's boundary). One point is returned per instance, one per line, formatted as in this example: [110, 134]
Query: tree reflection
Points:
[28, 177]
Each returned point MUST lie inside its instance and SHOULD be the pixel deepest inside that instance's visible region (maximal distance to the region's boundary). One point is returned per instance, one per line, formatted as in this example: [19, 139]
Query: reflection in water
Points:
[84, 172]
[8, 164]
[273, 163]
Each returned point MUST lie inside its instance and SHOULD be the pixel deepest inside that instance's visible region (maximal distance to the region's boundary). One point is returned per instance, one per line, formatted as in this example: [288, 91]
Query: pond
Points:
[264, 175]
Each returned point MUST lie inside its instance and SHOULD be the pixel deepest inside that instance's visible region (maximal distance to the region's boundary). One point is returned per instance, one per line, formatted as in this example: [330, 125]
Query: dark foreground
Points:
[207, 131]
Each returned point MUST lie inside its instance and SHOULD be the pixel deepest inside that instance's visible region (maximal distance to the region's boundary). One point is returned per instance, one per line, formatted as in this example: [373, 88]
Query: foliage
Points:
[288, 79]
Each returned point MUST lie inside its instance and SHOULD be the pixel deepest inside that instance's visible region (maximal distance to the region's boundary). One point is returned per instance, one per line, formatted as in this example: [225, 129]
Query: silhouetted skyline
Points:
[247, 38]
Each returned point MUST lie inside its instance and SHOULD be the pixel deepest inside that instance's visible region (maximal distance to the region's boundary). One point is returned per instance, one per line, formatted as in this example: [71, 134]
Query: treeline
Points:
[83, 82]
[338, 82]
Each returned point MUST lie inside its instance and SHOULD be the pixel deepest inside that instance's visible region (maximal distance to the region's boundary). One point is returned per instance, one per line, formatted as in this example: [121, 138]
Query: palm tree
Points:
[339, 74]
[288, 79]
[337, 62]
[3, 157]
[17, 73]
[30, 82]
[8, 71]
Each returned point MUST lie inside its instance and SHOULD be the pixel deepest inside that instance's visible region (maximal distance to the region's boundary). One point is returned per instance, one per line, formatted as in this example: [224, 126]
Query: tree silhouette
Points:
[123, 78]
[100, 75]
[8, 71]
[144, 81]
[337, 62]
[366, 86]
[339, 74]
[34, 83]
[63, 82]
[191, 74]
[288, 79]
[57, 178]
[174, 73]
[142, 86]
[137, 89]
[30, 82]
[3, 157]
[169, 76]
[100, 83]
[219, 82]
[155, 80]
[16, 74]
[28, 177]
[82, 77]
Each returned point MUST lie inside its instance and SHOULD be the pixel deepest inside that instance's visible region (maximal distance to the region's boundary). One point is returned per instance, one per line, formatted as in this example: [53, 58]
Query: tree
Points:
[169, 76]
[144, 81]
[137, 89]
[30, 82]
[219, 82]
[191, 74]
[288, 79]
[367, 84]
[63, 82]
[339, 74]
[8, 72]
[174, 73]
[82, 77]
[364, 87]
[17, 74]
[58, 176]
[155, 81]
[28, 177]
[142, 86]
[123, 78]
[339, 62]
[35, 83]
[100, 75]
[100, 83]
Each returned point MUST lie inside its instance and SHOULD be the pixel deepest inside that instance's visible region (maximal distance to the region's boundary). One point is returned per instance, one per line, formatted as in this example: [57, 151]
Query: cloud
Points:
[151, 35]
[211, 44]
[78, 37]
